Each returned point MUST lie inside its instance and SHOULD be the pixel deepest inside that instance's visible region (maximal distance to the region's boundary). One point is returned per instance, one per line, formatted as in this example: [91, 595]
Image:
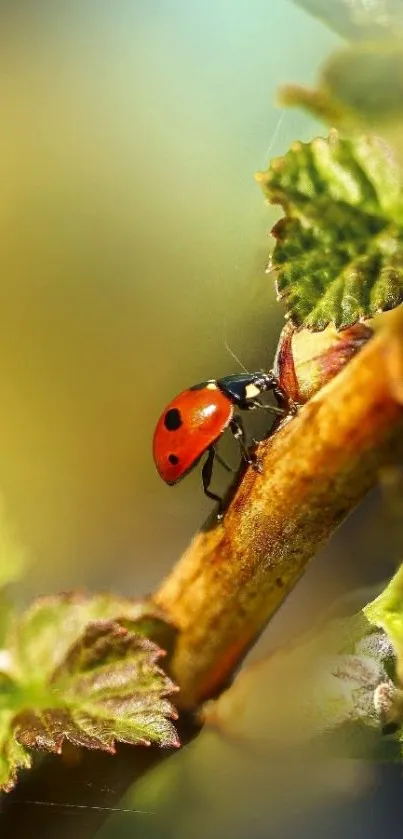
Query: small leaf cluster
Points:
[339, 248]
[338, 254]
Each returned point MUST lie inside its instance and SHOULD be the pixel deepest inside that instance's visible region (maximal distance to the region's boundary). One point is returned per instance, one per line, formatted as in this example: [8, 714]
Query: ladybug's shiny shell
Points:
[190, 424]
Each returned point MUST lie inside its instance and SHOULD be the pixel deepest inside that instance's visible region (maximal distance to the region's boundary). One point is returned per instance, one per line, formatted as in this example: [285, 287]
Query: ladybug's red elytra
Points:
[195, 420]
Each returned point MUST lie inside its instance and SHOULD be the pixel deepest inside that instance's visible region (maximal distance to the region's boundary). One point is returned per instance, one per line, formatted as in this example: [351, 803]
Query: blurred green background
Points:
[133, 244]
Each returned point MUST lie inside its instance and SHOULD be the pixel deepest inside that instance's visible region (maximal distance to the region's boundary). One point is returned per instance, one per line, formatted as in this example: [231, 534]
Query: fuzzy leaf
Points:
[359, 19]
[81, 669]
[358, 87]
[318, 694]
[339, 248]
[47, 630]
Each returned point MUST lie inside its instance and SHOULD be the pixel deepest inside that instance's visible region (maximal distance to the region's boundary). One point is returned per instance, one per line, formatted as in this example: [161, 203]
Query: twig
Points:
[316, 468]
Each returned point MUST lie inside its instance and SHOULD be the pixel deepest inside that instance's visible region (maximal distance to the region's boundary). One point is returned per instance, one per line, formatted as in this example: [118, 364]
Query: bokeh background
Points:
[133, 245]
[133, 248]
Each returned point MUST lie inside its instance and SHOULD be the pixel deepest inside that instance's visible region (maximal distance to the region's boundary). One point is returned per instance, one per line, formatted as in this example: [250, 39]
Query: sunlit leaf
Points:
[47, 630]
[81, 670]
[339, 248]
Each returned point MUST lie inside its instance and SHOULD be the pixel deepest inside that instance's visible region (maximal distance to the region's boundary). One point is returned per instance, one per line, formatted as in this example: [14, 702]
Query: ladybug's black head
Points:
[244, 388]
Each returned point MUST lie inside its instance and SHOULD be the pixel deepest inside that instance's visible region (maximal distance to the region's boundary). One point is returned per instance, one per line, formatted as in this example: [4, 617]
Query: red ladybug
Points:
[195, 420]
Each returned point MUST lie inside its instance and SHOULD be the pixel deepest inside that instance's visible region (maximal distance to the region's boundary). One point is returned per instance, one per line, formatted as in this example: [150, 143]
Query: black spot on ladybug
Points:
[200, 386]
[173, 459]
[172, 419]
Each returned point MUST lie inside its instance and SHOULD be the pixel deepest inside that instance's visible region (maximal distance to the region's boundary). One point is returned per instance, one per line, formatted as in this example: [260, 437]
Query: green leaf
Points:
[80, 669]
[339, 248]
[386, 611]
[358, 20]
[358, 87]
[13, 756]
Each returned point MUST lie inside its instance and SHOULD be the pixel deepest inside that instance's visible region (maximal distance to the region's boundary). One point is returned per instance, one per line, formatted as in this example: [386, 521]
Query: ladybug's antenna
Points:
[271, 144]
[234, 356]
[274, 137]
[228, 348]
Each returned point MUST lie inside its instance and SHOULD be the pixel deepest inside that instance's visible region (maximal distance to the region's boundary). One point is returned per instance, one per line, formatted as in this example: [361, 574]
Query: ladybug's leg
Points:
[283, 400]
[280, 412]
[207, 472]
[270, 382]
[281, 397]
[223, 462]
[238, 430]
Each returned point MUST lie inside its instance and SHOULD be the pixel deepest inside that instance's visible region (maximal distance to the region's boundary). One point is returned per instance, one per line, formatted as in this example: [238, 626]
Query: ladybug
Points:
[194, 421]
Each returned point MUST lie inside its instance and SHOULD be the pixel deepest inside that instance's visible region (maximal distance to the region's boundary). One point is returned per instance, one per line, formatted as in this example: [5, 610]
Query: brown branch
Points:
[234, 576]
[316, 468]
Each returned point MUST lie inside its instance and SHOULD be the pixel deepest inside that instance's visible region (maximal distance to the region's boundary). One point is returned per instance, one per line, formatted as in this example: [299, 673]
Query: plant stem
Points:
[316, 468]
